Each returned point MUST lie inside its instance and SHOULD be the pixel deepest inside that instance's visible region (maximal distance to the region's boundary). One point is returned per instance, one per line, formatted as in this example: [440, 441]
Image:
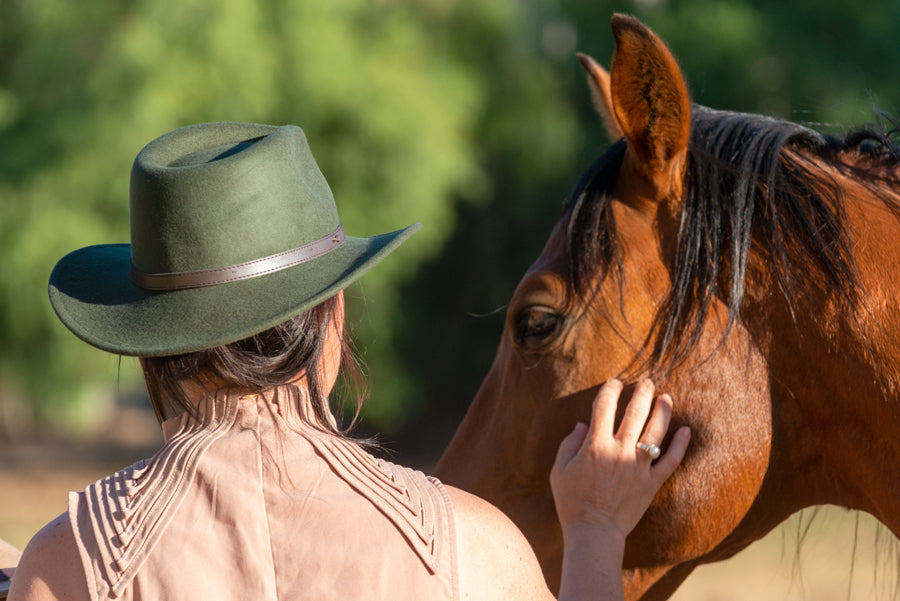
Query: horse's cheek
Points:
[691, 517]
[716, 485]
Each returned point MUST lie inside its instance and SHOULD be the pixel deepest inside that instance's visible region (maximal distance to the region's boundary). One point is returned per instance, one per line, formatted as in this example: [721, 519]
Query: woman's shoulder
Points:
[495, 560]
[50, 567]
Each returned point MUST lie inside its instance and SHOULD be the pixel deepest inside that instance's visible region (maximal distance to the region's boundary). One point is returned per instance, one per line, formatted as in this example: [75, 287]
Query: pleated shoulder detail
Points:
[128, 511]
[407, 498]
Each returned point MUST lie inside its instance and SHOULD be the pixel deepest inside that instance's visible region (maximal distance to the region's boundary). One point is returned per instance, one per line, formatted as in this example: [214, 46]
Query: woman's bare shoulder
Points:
[495, 560]
[50, 567]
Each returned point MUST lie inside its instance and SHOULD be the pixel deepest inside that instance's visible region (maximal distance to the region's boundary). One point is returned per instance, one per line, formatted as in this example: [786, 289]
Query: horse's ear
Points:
[598, 81]
[650, 100]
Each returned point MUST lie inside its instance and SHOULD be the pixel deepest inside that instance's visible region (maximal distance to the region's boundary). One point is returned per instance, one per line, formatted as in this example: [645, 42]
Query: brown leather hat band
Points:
[243, 271]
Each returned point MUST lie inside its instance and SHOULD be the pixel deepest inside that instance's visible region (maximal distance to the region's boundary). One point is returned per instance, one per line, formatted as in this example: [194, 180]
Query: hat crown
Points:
[218, 194]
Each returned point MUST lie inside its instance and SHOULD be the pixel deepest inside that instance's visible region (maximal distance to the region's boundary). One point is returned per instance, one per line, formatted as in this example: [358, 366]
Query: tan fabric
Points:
[250, 503]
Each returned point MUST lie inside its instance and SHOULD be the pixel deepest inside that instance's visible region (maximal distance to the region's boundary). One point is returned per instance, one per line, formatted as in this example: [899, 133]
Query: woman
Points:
[230, 293]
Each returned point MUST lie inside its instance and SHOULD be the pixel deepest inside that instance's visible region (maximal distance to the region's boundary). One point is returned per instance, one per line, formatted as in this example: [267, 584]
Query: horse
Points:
[748, 265]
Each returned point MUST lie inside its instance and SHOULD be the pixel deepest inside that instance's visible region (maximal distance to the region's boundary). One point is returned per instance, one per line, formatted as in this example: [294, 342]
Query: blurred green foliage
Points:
[389, 114]
[471, 117]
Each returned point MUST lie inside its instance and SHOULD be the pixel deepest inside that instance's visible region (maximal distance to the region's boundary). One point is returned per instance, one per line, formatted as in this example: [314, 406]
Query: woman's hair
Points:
[270, 358]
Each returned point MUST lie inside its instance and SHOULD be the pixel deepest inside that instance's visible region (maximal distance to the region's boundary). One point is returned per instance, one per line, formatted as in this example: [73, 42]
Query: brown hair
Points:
[271, 358]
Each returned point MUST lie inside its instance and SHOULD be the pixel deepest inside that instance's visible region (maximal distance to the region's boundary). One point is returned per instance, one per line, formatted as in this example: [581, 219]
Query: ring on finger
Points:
[651, 449]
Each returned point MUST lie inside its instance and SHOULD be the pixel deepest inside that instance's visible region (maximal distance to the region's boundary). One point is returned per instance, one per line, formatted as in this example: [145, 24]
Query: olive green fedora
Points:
[233, 230]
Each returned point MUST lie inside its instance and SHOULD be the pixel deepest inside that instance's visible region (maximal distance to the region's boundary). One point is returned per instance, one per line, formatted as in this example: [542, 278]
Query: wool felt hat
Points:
[233, 231]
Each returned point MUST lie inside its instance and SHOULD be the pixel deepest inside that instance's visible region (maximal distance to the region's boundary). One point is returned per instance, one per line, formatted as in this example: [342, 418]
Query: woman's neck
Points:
[295, 391]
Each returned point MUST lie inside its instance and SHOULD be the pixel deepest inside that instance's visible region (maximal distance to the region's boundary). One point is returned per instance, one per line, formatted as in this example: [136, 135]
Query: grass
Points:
[843, 556]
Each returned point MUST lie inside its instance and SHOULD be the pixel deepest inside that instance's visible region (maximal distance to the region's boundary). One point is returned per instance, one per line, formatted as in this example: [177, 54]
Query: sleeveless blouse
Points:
[248, 502]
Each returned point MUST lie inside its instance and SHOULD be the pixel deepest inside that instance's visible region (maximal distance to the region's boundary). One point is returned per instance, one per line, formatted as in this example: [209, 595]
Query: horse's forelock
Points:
[592, 243]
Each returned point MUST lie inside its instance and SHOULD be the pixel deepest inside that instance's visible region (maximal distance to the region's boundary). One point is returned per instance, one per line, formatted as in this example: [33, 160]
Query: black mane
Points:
[743, 190]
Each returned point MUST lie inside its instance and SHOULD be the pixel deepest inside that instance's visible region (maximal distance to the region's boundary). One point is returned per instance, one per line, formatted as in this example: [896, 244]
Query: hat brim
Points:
[92, 293]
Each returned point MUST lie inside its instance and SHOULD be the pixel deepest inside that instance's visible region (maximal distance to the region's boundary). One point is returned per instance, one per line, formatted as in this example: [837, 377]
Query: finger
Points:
[658, 424]
[603, 411]
[665, 465]
[569, 446]
[636, 413]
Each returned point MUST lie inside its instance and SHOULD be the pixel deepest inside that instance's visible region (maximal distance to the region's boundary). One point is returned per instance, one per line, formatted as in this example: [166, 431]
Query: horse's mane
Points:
[751, 184]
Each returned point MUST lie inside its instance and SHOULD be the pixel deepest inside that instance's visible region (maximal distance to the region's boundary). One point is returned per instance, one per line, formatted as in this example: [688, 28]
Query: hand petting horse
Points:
[751, 268]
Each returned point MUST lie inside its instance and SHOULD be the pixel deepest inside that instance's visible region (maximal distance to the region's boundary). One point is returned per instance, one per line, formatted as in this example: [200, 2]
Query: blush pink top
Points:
[249, 502]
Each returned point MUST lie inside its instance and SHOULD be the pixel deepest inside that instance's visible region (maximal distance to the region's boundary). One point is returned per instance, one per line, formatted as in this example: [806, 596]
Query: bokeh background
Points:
[470, 116]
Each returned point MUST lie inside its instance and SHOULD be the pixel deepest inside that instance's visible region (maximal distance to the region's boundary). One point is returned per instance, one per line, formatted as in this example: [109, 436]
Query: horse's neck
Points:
[835, 380]
[875, 228]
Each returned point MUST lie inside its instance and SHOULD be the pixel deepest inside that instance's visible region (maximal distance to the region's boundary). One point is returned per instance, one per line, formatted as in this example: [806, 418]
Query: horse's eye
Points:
[535, 325]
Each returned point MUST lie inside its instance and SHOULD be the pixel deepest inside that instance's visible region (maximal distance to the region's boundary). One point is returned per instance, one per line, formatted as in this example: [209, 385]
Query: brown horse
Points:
[750, 267]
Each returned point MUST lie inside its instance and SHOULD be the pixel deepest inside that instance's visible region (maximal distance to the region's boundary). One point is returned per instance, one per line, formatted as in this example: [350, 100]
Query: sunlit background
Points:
[472, 117]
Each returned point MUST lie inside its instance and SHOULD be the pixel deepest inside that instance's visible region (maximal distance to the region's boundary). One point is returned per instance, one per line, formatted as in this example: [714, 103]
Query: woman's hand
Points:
[601, 481]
